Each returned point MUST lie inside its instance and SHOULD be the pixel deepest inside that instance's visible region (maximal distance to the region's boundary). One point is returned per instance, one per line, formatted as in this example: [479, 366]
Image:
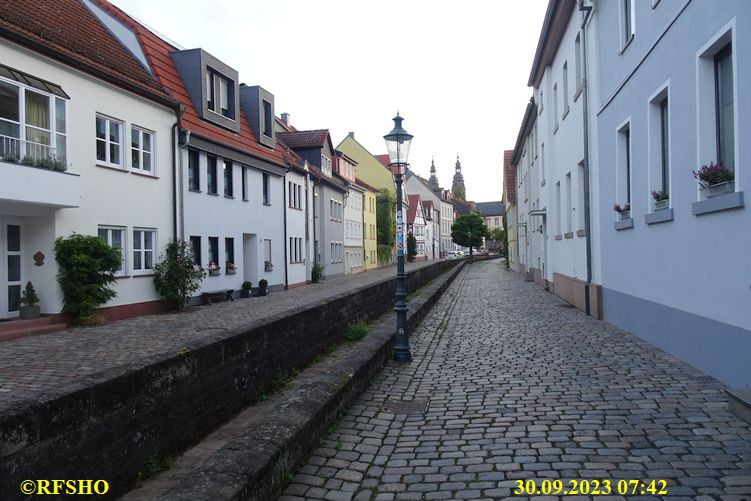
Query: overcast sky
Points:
[456, 70]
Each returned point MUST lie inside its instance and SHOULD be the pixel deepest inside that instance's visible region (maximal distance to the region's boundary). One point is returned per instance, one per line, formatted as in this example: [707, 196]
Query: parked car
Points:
[454, 255]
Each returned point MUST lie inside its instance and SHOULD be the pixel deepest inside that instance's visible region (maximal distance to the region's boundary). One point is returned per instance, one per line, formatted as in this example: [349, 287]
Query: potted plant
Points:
[263, 285]
[214, 270]
[245, 289]
[624, 211]
[267, 266]
[230, 267]
[661, 200]
[716, 178]
[29, 300]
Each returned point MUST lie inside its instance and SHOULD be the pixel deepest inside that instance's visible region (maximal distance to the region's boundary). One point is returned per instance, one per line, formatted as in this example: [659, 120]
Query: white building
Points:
[431, 201]
[298, 222]
[108, 122]
[353, 215]
[416, 225]
[671, 97]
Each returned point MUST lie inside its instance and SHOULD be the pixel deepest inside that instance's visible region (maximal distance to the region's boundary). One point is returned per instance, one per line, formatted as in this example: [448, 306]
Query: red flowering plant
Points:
[713, 173]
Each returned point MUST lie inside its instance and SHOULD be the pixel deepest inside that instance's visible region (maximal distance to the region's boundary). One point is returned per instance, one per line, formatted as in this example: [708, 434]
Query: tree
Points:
[175, 275]
[468, 230]
[87, 267]
[497, 234]
[411, 247]
[385, 225]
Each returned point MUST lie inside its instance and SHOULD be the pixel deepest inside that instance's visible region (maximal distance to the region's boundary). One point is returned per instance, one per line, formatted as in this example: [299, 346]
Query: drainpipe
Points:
[286, 247]
[176, 157]
[587, 9]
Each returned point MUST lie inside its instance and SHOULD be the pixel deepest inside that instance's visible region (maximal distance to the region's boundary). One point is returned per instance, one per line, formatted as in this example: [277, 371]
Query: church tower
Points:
[457, 188]
[433, 181]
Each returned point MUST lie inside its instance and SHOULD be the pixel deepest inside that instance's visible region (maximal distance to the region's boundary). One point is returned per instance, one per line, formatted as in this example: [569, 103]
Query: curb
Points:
[256, 465]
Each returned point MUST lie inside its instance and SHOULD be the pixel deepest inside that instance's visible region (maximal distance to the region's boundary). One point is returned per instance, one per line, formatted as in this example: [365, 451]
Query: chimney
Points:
[352, 135]
[285, 119]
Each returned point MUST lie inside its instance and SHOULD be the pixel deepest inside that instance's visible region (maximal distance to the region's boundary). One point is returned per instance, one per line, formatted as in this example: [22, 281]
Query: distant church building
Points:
[457, 188]
[433, 181]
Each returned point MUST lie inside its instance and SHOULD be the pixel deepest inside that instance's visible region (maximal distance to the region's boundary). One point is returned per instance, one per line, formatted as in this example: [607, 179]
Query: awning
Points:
[31, 81]
[538, 212]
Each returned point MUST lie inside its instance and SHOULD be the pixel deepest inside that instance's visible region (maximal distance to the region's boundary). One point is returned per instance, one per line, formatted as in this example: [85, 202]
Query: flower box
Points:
[721, 188]
[215, 273]
[230, 272]
[661, 204]
[625, 214]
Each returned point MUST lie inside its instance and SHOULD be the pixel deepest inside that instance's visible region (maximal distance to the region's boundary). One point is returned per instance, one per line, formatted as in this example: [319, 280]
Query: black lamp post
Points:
[469, 239]
[397, 143]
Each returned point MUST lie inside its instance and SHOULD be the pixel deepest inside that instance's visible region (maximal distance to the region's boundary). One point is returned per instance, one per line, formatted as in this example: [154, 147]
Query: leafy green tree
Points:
[175, 276]
[411, 247]
[497, 234]
[468, 230]
[385, 218]
[87, 267]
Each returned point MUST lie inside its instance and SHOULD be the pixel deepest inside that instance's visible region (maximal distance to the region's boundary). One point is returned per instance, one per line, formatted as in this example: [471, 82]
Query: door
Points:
[10, 267]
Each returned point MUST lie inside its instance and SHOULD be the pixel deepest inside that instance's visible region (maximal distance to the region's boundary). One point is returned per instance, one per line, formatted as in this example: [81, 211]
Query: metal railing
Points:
[15, 150]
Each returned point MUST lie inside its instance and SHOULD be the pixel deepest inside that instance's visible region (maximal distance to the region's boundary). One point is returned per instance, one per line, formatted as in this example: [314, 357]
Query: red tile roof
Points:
[158, 52]
[414, 201]
[304, 138]
[67, 31]
[509, 176]
[384, 159]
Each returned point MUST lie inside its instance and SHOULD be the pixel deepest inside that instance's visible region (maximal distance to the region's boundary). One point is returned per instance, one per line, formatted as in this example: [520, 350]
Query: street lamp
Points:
[469, 241]
[397, 143]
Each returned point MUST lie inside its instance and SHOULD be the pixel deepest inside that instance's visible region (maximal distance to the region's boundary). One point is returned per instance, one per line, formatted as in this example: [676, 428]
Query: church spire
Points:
[433, 181]
[457, 188]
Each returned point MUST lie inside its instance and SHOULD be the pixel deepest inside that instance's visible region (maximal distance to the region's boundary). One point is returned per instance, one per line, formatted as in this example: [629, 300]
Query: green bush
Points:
[247, 285]
[176, 277]
[411, 247]
[87, 267]
[263, 283]
[29, 296]
[384, 254]
[316, 272]
[355, 332]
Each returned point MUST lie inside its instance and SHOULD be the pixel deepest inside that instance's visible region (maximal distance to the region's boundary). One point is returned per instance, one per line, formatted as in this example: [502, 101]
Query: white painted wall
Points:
[296, 228]
[353, 231]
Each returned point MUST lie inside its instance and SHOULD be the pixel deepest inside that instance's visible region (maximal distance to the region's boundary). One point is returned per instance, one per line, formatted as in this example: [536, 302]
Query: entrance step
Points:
[15, 329]
[739, 402]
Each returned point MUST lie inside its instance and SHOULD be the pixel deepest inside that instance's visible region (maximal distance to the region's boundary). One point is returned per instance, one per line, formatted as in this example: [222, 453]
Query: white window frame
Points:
[108, 161]
[138, 247]
[141, 151]
[654, 141]
[624, 163]
[123, 271]
[627, 32]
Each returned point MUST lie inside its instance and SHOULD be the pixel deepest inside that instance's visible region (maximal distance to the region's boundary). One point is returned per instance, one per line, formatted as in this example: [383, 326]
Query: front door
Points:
[10, 267]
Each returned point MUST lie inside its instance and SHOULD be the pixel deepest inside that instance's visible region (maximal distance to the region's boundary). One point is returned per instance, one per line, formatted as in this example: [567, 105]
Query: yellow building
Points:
[369, 169]
[370, 235]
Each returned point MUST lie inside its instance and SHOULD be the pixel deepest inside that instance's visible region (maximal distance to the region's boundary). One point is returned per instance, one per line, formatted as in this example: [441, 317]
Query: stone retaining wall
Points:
[111, 429]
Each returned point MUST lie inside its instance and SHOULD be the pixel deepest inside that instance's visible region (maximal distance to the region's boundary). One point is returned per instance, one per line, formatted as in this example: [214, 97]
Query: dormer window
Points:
[218, 95]
[268, 123]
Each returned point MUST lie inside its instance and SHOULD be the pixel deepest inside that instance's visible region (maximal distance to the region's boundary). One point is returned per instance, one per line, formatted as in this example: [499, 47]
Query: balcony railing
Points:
[22, 152]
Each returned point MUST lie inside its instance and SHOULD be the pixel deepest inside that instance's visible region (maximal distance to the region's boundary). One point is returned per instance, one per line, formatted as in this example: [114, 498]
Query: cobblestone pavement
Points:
[49, 365]
[517, 386]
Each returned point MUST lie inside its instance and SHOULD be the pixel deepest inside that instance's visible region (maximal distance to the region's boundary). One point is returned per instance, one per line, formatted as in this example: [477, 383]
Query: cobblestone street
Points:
[519, 386]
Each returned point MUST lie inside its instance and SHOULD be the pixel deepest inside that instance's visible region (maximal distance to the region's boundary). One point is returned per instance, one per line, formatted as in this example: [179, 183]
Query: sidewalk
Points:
[507, 384]
[43, 367]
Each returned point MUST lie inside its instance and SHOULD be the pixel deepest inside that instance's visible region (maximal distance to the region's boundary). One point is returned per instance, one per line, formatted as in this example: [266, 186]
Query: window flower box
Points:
[230, 268]
[661, 204]
[662, 200]
[624, 211]
[214, 270]
[721, 188]
[268, 266]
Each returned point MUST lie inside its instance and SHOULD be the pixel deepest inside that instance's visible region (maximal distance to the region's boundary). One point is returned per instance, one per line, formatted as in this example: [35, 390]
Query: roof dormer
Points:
[258, 105]
[212, 86]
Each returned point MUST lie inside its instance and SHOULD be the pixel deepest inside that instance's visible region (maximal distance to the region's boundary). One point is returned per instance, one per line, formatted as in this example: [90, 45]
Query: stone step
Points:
[15, 329]
[739, 402]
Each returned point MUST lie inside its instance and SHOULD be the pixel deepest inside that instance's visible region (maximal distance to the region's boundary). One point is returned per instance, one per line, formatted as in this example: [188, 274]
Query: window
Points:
[228, 187]
[267, 190]
[219, 99]
[141, 149]
[578, 63]
[44, 127]
[628, 20]
[295, 250]
[724, 102]
[244, 181]
[295, 195]
[114, 236]
[326, 165]
[214, 250]
[624, 164]
[569, 228]
[268, 123]
[580, 204]
[555, 108]
[229, 252]
[144, 249]
[565, 89]
[211, 175]
[195, 245]
[194, 173]
[542, 164]
[267, 254]
[108, 141]
[664, 146]
[541, 103]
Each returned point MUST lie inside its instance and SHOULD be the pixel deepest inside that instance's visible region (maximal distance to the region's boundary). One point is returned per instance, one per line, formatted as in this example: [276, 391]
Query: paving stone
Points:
[519, 388]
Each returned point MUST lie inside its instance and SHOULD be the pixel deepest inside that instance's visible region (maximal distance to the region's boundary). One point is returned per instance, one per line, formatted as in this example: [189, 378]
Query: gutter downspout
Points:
[587, 9]
[176, 156]
[286, 247]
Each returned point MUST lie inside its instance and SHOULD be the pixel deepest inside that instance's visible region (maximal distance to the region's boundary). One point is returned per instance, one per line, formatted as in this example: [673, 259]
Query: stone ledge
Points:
[624, 224]
[254, 463]
[739, 403]
[660, 216]
[718, 203]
